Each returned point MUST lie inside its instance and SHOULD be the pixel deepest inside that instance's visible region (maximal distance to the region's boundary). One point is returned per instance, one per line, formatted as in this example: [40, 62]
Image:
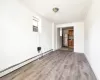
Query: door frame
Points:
[67, 39]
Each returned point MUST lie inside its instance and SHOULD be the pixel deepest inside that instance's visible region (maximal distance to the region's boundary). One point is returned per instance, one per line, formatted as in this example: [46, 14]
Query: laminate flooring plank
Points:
[30, 67]
[36, 68]
[57, 72]
[51, 68]
[85, 71]
[45, 68]
[57, 65]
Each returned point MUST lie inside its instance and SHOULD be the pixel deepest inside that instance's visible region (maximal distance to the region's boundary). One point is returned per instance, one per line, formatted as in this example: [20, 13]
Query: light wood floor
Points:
[58, 65]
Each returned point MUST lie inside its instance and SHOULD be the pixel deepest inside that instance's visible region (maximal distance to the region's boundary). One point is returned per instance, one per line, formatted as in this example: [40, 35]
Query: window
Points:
[35, 24]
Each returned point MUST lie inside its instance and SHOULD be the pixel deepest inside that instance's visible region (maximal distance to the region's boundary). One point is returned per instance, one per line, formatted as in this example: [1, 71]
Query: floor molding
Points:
[21, 64]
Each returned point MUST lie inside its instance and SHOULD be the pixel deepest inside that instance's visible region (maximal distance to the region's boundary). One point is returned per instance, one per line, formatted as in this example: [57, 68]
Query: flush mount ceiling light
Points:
[55, 9]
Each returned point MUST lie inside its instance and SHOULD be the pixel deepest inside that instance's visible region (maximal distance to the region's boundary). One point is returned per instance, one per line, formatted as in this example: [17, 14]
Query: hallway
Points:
[57, 65]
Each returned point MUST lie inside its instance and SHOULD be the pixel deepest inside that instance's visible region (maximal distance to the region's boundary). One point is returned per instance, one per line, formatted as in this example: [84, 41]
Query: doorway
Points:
[68, 38]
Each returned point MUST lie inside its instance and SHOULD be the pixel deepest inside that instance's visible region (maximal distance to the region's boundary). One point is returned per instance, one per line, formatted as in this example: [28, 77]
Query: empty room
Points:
[49, 39]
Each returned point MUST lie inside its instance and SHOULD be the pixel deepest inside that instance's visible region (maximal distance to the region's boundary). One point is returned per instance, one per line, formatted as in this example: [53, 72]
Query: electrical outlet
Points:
[38, 49]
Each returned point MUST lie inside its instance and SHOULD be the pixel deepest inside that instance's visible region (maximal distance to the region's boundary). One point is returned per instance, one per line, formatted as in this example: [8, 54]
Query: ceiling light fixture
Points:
[55, 9]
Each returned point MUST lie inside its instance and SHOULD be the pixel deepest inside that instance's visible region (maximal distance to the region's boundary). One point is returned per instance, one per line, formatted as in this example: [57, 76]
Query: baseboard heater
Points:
[21, 64]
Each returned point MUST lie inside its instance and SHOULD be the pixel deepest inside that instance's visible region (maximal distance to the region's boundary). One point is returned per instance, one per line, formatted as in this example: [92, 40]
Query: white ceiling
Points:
[69, 10]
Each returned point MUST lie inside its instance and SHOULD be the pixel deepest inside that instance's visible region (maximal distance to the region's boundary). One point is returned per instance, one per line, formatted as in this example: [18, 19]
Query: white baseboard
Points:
[79, 52]
[6, 71]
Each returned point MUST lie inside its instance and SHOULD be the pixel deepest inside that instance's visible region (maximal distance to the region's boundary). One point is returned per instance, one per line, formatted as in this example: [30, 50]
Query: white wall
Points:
[46, 35]
[17, 40]
[92, 38]
[59, 39]
[53, 36]
[78, 35]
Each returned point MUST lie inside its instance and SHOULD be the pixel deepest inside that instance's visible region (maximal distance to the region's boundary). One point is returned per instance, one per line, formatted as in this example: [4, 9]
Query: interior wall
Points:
[54, 36]
[46, 35]
[78, 35]
[59, 39]
[92, 38]
[18, 42]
